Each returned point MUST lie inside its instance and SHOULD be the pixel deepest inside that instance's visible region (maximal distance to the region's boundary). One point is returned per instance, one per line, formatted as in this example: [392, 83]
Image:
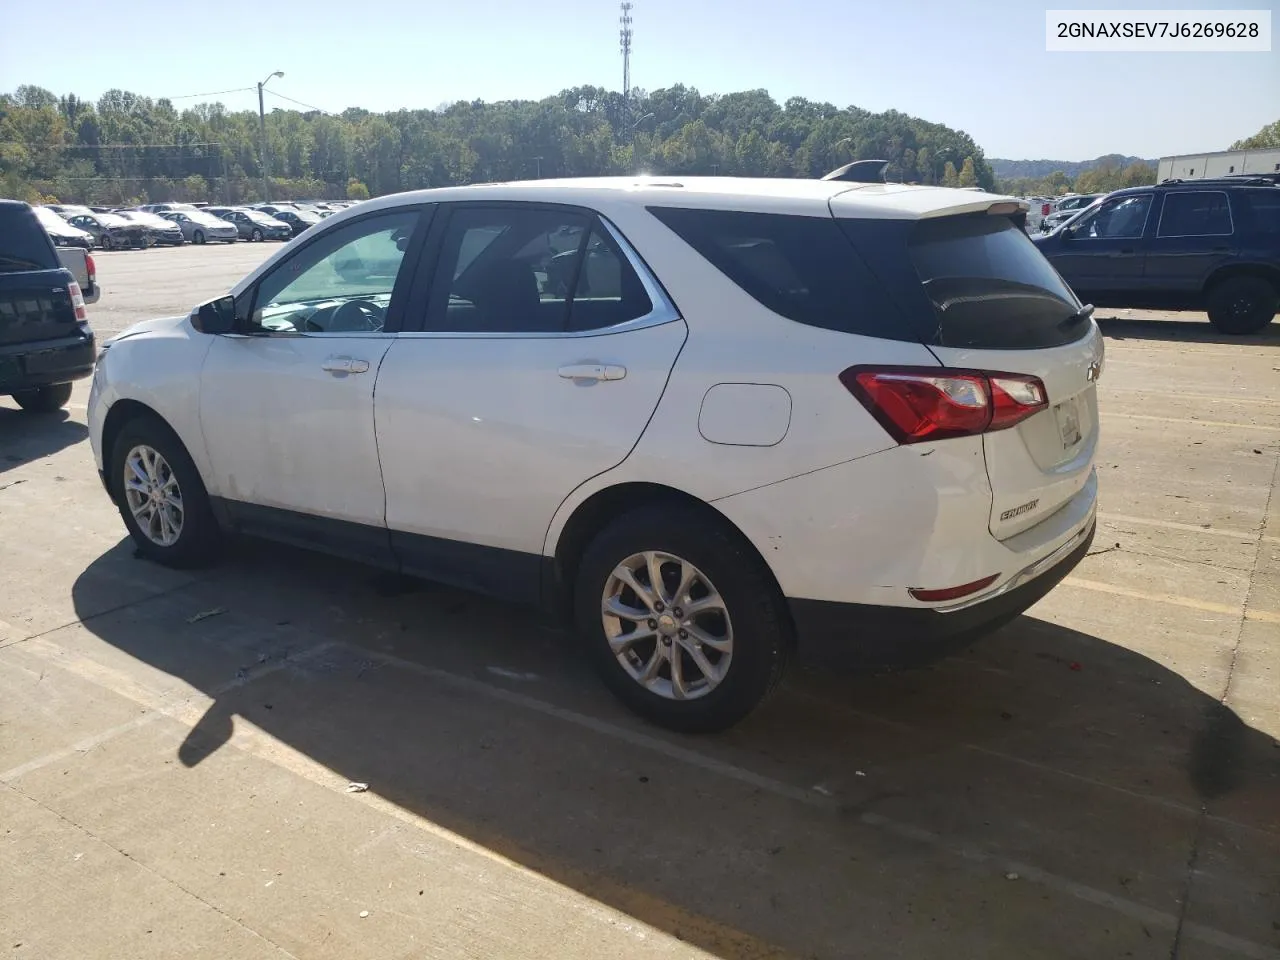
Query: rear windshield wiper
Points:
[1084, 313]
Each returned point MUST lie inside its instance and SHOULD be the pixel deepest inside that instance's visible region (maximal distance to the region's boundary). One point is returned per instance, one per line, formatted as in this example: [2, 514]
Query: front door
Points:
[287, 409]
[544, 348]
[1101, 255]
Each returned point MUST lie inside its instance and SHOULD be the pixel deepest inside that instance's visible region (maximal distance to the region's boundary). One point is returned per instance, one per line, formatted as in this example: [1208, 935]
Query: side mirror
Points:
[216, 316]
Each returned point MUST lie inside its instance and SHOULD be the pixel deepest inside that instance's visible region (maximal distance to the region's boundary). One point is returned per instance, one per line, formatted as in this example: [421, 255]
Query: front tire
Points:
[1242, 305]
[197, 237]
[256, 236]
[161, 497]
[681, 618]
[44, 399]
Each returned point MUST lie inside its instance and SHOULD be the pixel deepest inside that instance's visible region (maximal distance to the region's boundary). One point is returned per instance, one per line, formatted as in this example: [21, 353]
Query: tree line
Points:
[1101, 179]
[127, 148]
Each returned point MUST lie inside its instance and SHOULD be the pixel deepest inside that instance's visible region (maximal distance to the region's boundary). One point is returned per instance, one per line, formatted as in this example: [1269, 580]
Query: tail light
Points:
[92, 269]
[77, 301]
[1044, 209]
[915, 404]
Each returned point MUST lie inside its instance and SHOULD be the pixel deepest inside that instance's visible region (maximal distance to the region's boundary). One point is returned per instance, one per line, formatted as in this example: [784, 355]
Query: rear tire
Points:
[44, 399]
[161, 497]
[743, 633]
[1242, 305]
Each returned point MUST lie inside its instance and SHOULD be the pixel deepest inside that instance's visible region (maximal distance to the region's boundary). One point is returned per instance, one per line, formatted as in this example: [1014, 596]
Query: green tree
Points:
[357, 190]
[968, 177]
[949, 176]
[1268, 136]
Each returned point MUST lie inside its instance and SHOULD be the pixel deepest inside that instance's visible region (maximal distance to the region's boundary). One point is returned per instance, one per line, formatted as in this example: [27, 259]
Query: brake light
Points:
[952, 593]
[77, 301]
[1044, 209]
[91, 267]
[915, 404]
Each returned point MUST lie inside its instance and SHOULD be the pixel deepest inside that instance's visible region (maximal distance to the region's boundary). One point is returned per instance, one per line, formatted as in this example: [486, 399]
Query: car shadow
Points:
[1190, 330]
[770, 837]
[26, 436]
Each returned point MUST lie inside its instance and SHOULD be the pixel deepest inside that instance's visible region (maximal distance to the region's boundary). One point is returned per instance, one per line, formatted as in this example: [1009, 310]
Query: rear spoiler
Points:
[860, 171]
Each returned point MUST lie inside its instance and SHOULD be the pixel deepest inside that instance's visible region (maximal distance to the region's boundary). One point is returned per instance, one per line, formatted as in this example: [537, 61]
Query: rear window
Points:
[978, 279]
[803, 268]
[23, 243]
[1264, 208]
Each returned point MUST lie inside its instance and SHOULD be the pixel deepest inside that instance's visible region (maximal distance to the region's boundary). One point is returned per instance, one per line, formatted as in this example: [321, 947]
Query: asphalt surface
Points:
[1099, 779]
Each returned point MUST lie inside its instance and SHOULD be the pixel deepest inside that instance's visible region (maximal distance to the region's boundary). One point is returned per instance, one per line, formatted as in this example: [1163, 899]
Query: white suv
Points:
[709, 417]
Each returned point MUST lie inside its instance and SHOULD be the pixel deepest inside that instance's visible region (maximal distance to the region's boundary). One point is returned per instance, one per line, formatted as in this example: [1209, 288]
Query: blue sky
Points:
[979, 65]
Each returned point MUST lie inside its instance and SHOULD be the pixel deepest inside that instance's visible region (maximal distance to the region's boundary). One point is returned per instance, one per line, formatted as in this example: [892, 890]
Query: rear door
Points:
[543, 348]
[989, 301]
[1195, 233]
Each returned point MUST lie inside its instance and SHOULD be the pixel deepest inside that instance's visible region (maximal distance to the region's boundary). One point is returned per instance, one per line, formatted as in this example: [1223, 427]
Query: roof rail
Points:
[860, 171]
[1231, 179]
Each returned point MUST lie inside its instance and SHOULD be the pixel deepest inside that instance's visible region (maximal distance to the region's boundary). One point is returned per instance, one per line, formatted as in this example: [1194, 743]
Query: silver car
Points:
[200, 227]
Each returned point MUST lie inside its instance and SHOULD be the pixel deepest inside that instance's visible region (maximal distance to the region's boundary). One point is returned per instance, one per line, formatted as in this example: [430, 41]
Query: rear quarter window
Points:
[24, 245]
[1262, 207]
[803, 268]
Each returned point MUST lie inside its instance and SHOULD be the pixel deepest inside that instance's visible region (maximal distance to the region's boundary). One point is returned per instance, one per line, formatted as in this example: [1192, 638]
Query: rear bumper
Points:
[857, 634]
[25, 366]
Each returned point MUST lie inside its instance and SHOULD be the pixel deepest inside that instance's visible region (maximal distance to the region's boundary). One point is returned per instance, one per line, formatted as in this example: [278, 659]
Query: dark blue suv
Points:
[1209, 245]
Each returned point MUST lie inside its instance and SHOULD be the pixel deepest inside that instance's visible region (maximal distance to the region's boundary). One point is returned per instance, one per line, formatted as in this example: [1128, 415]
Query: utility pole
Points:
[538, 161]
[262, 128]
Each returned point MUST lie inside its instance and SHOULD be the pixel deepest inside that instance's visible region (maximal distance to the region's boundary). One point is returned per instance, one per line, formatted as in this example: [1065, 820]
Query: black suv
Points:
[1182, 245]
[45, 341]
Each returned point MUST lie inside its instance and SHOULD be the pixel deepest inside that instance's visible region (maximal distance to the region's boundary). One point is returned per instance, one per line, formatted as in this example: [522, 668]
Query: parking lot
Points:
[1099, 779]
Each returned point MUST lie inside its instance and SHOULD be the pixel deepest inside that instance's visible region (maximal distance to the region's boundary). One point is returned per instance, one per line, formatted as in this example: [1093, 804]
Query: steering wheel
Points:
[354, 316]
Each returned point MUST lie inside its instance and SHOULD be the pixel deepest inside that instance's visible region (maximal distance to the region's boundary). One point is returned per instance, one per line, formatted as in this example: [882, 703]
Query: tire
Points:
[44, 399]
[106, 243]
[256, 236]
[754, 620]
[197, 236]
[197, 538]
[1242, 305]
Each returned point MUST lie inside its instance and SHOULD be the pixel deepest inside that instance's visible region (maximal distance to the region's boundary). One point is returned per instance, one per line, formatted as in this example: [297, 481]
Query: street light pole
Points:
[262, 128]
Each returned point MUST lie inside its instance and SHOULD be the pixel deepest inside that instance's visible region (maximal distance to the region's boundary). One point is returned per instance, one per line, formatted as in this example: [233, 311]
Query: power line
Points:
[212, 93]
[309, 106]
[105, 146]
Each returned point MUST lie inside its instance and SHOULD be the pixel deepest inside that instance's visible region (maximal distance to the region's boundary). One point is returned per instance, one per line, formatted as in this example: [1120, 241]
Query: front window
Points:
[340, 283]
[1124, 218]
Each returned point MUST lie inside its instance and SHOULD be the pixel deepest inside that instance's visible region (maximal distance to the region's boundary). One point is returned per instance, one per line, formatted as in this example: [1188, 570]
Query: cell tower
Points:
[624, 43]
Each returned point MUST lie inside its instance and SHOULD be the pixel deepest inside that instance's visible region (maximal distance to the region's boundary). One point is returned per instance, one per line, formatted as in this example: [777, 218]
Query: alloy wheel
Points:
[153, 495]
[667, 625]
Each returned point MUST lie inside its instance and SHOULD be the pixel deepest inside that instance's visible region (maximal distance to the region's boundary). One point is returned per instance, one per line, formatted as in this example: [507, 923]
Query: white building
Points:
[1197, 166]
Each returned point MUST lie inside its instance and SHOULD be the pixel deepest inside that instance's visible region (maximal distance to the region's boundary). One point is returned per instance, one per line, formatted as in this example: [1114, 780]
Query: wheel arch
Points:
[601, 508]
[1266, 271]
[123, 412]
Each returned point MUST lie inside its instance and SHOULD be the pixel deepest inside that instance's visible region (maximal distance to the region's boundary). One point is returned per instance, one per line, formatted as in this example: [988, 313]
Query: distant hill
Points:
[1013, 169]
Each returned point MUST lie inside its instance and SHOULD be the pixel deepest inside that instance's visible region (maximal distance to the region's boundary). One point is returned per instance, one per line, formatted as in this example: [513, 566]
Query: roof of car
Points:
[798, 196]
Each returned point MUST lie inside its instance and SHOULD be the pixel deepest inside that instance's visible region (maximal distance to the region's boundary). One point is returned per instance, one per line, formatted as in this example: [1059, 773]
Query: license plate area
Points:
[1067, 414]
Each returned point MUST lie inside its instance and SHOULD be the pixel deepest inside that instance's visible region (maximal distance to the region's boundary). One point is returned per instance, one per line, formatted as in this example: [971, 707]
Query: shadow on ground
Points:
[1189, 330]
[850, 806]
[25, 436]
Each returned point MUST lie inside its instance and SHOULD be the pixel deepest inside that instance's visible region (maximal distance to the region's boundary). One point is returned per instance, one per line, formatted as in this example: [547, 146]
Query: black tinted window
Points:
[803, 268]
[509, 270]
[1195, 214]
[1124, 218]
[23, 243]
[1264, 208]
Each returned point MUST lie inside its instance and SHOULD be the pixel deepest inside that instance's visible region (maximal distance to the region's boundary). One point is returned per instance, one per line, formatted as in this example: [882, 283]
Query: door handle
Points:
[344, 365]
[592, 371]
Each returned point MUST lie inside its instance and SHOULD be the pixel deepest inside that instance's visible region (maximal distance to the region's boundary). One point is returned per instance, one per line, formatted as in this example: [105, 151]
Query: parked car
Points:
[254, 225]
[1197, 245]
[200, 227]
[165, 207]
[111, 231]
[298, 220]
[62, 233]
[1066, 208]
[66, 210]
[811, 411]
[45, 340]
[1040, 207]
[158, 229]
[271, 209]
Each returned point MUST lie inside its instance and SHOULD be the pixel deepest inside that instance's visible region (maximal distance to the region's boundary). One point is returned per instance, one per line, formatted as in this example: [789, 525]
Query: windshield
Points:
[206, 219]
[111, 220]
[51, 221]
